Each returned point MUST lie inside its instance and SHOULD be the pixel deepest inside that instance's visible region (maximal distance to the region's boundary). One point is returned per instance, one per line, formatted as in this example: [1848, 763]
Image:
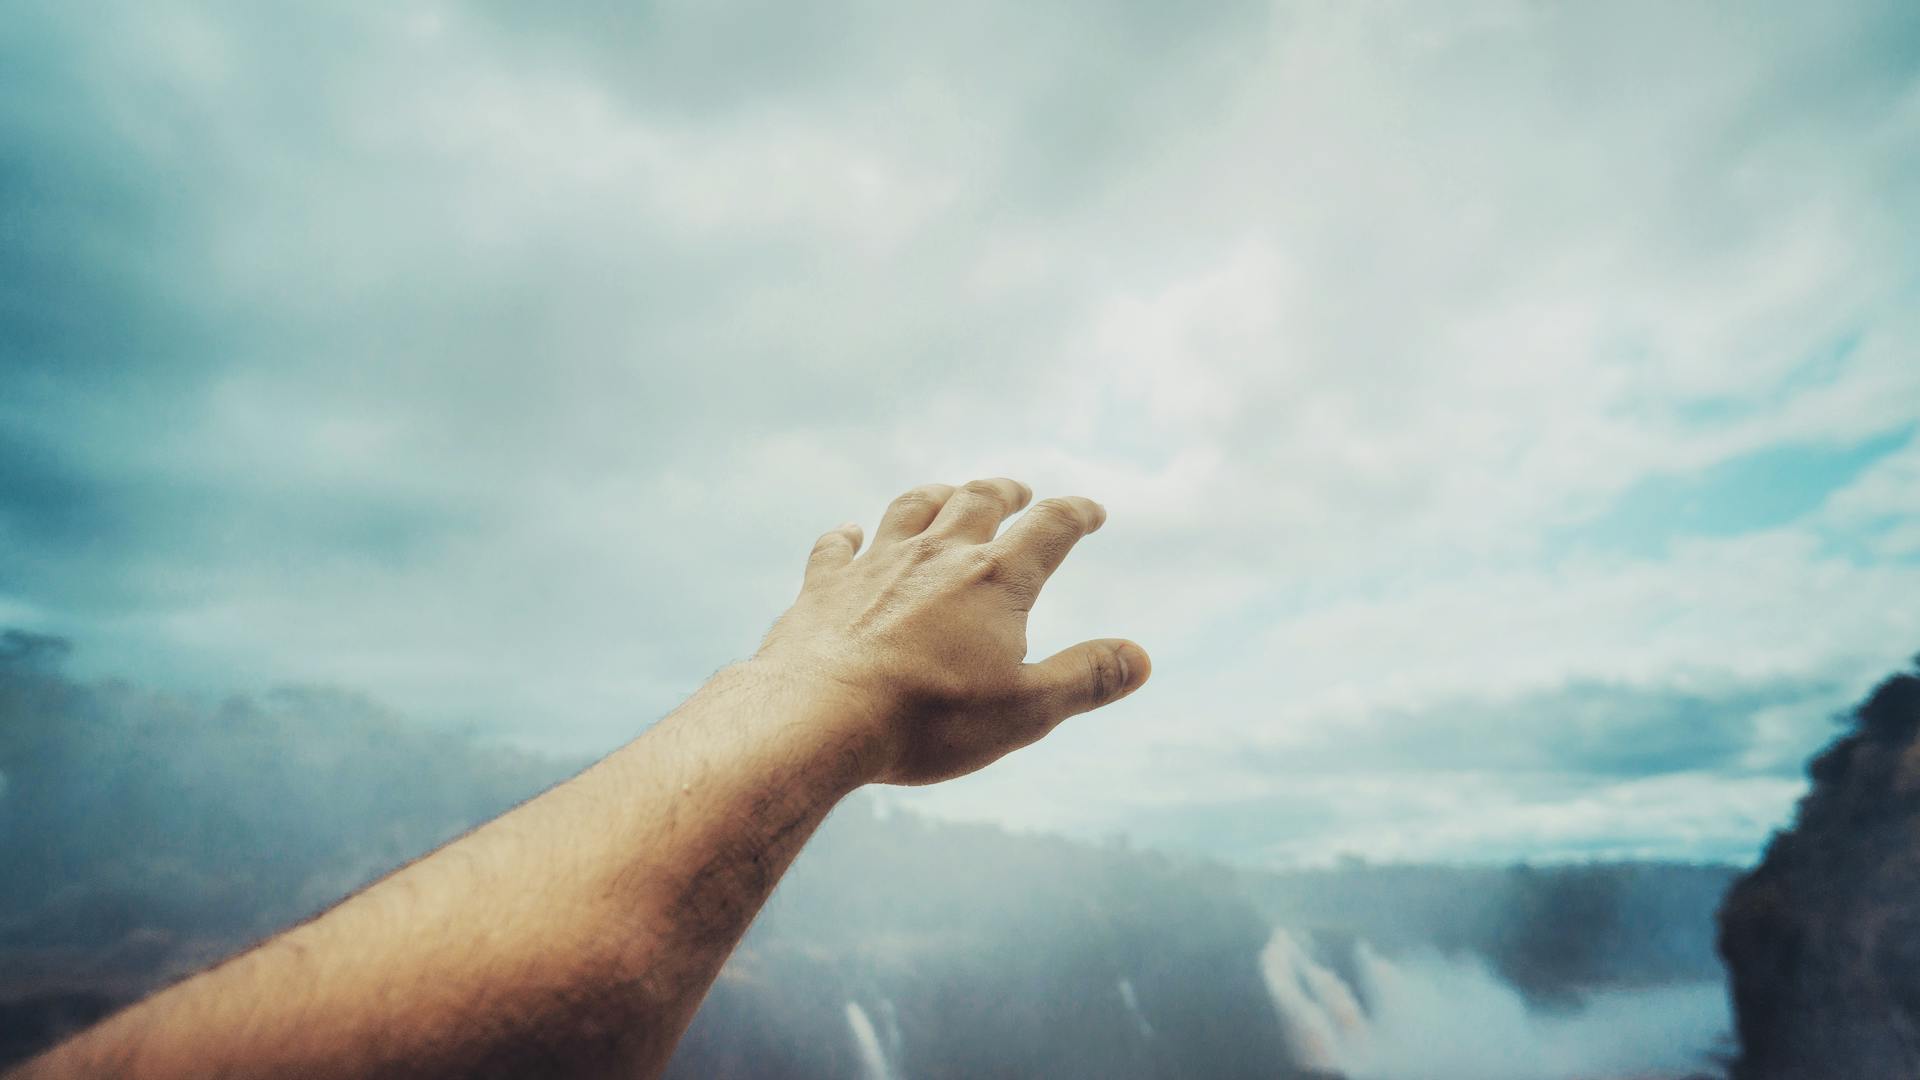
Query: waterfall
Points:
[873, 1060]
[1132, 1002]
[890, 1028]
[1431, 1016]
[1322, 1018]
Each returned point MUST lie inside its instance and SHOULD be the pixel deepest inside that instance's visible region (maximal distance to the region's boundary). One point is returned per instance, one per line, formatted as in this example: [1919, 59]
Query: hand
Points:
[926, 634]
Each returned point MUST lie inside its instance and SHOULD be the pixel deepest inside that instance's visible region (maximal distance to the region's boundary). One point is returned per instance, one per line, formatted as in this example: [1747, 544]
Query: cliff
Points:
[1821, 940]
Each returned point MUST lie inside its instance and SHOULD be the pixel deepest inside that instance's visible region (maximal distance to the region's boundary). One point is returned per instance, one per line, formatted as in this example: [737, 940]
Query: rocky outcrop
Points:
[1822, 939]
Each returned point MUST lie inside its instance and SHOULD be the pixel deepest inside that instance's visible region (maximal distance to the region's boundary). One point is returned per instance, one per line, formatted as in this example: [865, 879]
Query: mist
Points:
[147, 835]
[1431, 1016]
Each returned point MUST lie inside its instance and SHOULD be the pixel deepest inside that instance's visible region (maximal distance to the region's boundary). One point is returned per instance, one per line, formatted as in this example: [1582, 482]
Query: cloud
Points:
[1685, 770]
[1435, 364]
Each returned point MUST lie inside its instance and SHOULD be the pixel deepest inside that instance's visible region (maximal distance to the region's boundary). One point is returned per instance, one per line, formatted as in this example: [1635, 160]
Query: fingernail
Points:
[1102, 519]
[849, 525]
[1134, 665]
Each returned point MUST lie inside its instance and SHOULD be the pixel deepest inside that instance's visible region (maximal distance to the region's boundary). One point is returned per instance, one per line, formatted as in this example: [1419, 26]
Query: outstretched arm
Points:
[576, 934]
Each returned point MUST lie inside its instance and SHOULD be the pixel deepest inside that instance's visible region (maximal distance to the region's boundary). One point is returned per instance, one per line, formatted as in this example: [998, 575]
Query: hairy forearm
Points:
[574, 935]
[577, 934]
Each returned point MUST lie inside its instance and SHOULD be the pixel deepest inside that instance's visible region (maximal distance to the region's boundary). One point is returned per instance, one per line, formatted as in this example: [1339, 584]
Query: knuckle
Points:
[1103, 675]
[994, 568]
[922, 548]
[986, 489]
[917, 499]
[1059, 512]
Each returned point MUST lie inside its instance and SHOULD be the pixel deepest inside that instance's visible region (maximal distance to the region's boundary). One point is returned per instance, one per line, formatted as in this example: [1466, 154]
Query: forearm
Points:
[574, 935]
[577, 934]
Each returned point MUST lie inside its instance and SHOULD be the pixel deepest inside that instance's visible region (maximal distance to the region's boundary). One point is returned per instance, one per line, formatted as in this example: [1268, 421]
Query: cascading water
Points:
[1438, 1017]
[1132, 1001]
[890, 1028]
[1322, 1018]
[873, 1060]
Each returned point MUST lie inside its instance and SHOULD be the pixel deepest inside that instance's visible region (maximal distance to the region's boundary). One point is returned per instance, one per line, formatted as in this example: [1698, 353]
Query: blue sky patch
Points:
[1761, 490]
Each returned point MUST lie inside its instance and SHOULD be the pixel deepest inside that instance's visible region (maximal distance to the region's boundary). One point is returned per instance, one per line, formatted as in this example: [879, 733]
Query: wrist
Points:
[829, 722]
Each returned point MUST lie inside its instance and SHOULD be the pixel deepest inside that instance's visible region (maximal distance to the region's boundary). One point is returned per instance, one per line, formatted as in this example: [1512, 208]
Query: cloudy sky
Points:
[1509, 413]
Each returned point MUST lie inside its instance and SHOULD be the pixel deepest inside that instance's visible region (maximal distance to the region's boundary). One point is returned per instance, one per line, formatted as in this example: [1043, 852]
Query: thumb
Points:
[1088, 675]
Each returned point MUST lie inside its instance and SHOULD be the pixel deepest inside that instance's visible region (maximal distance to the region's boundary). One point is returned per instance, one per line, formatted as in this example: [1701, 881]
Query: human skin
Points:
[576, 934]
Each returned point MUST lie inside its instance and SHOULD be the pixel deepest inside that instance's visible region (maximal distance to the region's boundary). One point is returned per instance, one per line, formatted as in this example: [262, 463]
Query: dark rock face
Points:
[1822, 939]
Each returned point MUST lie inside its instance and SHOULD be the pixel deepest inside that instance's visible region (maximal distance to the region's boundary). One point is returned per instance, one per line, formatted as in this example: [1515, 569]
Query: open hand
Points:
[926, 633]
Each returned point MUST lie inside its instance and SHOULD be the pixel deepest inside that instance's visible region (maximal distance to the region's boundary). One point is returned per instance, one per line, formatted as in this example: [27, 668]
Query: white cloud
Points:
[1355, 317]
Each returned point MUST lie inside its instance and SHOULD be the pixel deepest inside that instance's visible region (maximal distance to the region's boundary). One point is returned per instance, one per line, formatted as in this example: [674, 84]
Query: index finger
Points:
[1039, 540]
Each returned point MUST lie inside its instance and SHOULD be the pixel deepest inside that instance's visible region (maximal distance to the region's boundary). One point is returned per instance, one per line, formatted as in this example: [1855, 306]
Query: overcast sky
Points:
[1509, 413]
